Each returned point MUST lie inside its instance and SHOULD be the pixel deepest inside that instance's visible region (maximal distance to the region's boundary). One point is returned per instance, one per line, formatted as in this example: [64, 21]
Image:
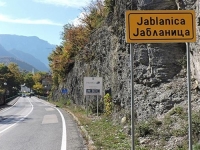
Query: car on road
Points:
[23, 95]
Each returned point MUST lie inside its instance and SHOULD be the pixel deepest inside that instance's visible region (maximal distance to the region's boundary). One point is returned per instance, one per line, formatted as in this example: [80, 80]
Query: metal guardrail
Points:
[13, 97]
[10, 98]
[42, 97]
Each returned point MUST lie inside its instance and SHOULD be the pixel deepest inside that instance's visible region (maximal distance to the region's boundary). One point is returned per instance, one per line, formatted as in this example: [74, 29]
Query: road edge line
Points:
[64, 133]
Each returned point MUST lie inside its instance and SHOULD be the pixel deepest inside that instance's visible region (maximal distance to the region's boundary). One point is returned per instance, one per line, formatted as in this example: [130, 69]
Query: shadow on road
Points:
[11, 119]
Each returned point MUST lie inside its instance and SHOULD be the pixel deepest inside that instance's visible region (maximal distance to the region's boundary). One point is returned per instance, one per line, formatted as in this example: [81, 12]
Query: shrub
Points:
[108, 104]
[144, 129]
[196, 146]
[177, 110]
[196, 126]
[68, 102]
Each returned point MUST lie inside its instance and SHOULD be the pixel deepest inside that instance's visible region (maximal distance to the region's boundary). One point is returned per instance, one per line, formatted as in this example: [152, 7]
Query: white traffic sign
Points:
[92, 85]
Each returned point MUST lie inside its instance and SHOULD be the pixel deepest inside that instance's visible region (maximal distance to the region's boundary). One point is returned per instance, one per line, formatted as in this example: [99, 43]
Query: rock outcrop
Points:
[159, 69]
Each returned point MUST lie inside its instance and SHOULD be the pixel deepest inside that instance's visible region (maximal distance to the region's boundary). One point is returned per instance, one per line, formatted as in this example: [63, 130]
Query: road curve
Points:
[34, 124]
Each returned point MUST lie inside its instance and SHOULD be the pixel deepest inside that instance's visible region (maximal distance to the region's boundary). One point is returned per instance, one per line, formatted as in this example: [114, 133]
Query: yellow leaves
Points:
[62, 58]
[37, 77]
[67, 47]
[2, 91]
[108, 104]
[38, 87]
[75, 38]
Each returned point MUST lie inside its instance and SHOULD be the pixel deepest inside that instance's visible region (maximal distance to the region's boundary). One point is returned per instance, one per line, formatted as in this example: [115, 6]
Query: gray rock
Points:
[159, 69]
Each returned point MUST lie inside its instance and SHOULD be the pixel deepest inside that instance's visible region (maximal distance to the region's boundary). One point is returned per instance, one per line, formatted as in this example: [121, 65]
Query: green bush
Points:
[144, 129]
[68, 102]
[177, 110]
[196, 125]
[109, 5]
[196, 146]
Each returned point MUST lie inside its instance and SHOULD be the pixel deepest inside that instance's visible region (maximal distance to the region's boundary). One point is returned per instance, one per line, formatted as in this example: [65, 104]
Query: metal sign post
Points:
[189, 97]
[93, 86]
[158, 26]
[132, 100]
[97, 106]
[87, 107]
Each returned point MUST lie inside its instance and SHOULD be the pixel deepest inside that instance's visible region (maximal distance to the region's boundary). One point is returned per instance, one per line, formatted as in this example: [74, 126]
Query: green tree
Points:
[28, 79]
[109, 5]
[8, 76]
[3, 72]
[3, 79]
[18, 78]
[93, 14]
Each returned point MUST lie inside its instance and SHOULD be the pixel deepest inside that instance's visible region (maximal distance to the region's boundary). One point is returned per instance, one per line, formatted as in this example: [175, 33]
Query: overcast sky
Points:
[42, 18]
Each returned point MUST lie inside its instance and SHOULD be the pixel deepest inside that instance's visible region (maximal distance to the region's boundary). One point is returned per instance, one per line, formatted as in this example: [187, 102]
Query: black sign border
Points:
[160, 39]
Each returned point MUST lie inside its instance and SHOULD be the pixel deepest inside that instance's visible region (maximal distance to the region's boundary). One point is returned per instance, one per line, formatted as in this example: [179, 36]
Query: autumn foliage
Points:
[62, 59]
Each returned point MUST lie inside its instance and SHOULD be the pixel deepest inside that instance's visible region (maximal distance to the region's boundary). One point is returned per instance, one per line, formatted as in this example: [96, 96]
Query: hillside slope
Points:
[4, 52]
[30, 59]
[39, 48]
[160, 81]
[22, 65]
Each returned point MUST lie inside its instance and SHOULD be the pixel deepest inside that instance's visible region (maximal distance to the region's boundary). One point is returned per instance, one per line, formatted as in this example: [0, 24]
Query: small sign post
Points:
[161, 26]
[93, 86]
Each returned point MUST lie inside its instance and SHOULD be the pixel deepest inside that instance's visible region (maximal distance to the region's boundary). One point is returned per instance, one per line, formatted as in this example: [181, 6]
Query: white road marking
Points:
[64, 132]
[64, 135]
[18, 120]
[50, 119]
[49, 109]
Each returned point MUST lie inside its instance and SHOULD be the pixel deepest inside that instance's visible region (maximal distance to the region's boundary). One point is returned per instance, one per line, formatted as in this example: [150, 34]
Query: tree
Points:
[8, 76]
[3, 72]
[38, 88]
[93, 14]
[37, 77]
[75, 38]
[18, 76]
[28, 79]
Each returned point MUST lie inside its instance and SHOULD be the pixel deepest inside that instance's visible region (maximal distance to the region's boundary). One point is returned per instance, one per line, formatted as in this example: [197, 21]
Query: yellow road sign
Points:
[160, 26]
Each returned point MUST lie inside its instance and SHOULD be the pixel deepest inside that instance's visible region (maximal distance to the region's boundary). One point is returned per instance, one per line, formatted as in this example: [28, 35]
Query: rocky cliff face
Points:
[195, 47]
[159, 69]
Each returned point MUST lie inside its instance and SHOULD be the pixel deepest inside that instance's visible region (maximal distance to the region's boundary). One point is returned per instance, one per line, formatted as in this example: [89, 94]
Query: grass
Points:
[107, 136]
[104, 134]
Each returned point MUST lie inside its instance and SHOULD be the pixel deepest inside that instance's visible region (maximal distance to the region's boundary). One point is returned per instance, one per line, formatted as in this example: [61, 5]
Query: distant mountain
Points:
[25, 57]
[29, 59]
[39, 48]
[22, 65]
[4, 52]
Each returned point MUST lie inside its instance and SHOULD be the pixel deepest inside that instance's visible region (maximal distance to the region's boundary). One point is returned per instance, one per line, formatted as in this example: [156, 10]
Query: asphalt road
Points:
[34, 124]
